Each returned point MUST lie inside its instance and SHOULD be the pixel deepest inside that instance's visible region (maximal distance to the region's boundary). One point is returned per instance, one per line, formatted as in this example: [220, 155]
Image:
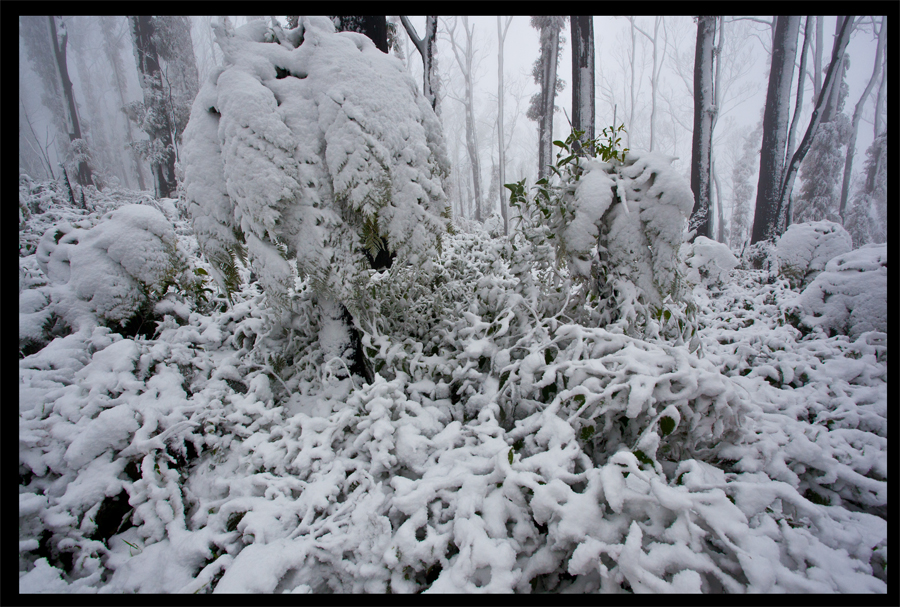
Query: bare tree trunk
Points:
[583, 77]
[879, 102]
[831, 81]
[654, 73]
[720, 208]
[425, 46]
[817, 66]
[501, 138]
[161, 129]
[857, 114]
[550, 48]
[464, 58]
[59, 38]
[111, 49]
[704, 111]
[775, 126]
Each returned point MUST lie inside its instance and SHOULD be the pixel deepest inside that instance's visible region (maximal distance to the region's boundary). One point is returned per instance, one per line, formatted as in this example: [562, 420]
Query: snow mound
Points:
[850, 296]
[710, 262]
[805, 248]
[107, 272]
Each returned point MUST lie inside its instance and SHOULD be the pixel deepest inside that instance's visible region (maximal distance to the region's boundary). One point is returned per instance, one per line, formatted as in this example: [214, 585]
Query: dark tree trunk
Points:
[704, 114]
[583, 76]
[158, 124]
[775, 126]
[375, 27]
[59, 38]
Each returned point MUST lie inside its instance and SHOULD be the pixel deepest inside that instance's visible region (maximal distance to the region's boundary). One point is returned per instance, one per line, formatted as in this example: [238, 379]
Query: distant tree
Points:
[583, 105]
[501, 137]
[544, 72]
[704, 114]
[465, 59]
[775, 128]
[857, 115]
[742, 189]
[178, 68]
[46, 42]
[867, 212]
[154, 115]
[113, 43]
[820, 150]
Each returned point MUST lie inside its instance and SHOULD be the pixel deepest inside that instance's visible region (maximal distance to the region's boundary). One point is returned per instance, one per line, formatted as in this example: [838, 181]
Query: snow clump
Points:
[850, 296]
[804, 249]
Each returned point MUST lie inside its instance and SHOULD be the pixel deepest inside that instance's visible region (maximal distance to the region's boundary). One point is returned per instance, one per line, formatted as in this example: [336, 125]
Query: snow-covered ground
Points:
[503, 446]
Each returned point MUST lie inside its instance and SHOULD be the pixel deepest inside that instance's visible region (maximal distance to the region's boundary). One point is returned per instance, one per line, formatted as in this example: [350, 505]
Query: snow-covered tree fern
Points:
[308, 149]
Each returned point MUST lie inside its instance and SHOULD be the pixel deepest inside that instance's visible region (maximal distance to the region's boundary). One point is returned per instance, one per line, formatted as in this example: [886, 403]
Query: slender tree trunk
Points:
[879, 101]
[160, 128]
[704, 109]
[59, 38]
[501, 138]
[831, 81]
[720, 208]
[857, 115]
[775, 126]
[583, 77]
[425, 46]
[817, 66]
[799, 105]
[550, 49]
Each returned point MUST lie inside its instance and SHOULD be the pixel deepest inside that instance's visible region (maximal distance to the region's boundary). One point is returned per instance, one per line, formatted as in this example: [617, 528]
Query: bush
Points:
[850, 296]
[805, 248]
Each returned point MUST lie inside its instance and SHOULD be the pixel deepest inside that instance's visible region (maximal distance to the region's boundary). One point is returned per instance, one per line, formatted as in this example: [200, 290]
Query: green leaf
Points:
[510, 457]
[560, 144]
[587, 432]
[503, 377]
[200, 272]
[666, 425]
[643, 458]
[579, 398]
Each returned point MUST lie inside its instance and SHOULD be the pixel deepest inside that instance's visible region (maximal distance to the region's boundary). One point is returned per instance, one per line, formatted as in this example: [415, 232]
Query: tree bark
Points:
[425, 46]
[372, 26]
[775, 125]
[501, 137]
[831, 81]
[549, 51]
[465, 58]
[857, 115]
[583, 105]
[879, 102]
[704, 111]
[158, 126]
[59, 38]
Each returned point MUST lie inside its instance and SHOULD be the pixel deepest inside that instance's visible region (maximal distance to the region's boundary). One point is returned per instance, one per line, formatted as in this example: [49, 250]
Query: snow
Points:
[306, 159]
[804, 249]
[850, 295]
[514, 437]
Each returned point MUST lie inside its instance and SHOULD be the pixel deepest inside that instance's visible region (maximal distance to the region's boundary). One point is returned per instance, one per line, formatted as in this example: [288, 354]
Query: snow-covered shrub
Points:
[308, 154]
[108, 272]
[618, 225]
[850, 296]
[804, 249]
[710, 262]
